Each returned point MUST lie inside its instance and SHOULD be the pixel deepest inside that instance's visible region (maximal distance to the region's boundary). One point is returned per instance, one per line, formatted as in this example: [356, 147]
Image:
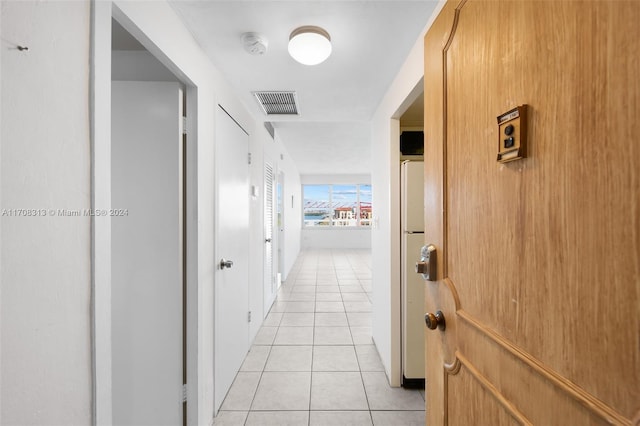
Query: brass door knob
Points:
[434, 321]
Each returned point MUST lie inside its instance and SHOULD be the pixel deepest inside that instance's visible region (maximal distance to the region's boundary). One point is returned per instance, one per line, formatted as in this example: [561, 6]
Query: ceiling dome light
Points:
[309, 45]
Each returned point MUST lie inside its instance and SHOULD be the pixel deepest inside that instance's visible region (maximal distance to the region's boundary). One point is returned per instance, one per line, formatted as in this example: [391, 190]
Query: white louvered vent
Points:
[273, 103]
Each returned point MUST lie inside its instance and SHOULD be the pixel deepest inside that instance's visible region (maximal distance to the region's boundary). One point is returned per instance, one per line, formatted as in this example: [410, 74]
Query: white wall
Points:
[265, 148]
[158, 28]
[46, 264]
[385, 178]
[45, 159]
[313, 238]
[292, 216]
[291, 200]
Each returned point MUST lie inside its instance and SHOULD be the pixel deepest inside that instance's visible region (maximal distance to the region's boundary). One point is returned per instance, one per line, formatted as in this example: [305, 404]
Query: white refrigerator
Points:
[412, 284]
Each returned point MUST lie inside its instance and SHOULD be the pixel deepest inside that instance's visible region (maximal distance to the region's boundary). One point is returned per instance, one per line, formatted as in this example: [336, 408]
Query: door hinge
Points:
[249, 316]
[184, 125]
[184, 393]
[249, 158]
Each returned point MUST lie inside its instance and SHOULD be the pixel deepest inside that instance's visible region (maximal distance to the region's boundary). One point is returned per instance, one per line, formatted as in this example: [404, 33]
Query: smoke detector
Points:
[254, 43]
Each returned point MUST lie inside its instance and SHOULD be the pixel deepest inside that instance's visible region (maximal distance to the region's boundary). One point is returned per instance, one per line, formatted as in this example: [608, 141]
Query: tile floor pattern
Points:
[313, 361]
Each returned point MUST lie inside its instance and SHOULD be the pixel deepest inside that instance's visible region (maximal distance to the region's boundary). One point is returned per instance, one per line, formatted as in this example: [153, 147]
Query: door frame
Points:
[102, 13]
[173, 304]
[395, 377]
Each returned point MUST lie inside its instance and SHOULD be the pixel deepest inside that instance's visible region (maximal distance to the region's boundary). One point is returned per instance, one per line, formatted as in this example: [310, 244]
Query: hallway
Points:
[313, 361]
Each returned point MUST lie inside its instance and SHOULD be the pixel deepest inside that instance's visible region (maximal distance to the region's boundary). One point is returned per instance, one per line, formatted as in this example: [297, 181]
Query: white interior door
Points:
[146, 255]
[269, 281]
[232, 245]
[280, 227]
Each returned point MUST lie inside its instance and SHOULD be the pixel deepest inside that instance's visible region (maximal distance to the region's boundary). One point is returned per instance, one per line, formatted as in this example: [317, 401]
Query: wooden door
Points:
[539, 258]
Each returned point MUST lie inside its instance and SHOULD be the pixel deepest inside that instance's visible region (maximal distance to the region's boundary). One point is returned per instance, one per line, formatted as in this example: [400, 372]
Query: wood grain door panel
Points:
[540, 272]
[465, 411]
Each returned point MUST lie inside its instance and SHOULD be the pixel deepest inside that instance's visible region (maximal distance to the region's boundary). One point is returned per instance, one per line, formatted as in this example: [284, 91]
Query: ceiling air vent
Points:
[274, 103]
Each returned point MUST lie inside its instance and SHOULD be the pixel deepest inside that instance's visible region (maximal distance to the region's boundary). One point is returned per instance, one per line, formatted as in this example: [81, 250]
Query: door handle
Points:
[267, 240]
[434, 321]
[225, 263]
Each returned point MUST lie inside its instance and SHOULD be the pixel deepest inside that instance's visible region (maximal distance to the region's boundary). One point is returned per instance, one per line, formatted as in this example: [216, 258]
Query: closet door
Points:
[232, 247]
[269, 277]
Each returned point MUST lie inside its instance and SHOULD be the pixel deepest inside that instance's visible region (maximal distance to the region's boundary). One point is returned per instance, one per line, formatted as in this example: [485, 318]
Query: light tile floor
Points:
[313, 361]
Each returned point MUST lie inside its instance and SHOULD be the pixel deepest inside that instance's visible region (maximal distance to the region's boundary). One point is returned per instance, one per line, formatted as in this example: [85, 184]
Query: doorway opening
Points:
[408, 329]
[148, 236]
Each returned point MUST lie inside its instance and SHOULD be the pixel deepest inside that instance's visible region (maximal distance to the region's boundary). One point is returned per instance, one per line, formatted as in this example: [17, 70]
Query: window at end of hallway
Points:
[336, 206]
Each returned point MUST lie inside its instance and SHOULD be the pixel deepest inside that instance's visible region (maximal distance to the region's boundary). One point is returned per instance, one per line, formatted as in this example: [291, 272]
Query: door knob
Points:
[434, 321]
[226, 263]
[267, 240]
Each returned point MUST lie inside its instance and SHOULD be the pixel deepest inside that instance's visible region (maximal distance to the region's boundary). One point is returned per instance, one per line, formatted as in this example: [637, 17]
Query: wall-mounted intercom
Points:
[512, 134]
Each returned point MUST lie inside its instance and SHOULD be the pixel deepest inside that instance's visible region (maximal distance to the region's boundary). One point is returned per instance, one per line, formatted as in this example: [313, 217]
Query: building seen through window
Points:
[337, 205]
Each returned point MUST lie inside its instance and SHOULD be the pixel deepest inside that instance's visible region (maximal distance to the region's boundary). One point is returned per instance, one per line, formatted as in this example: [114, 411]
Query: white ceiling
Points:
[337, 98]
